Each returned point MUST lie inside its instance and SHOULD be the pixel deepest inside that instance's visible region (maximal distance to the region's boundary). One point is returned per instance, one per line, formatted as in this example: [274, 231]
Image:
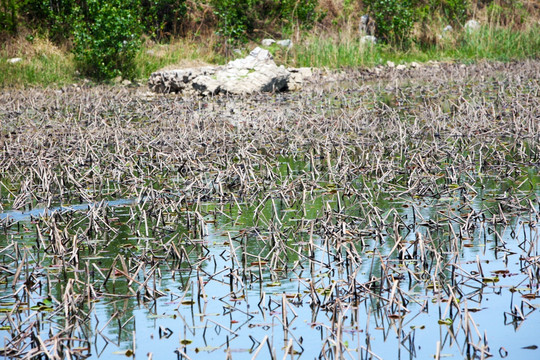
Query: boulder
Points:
[445, 32]
[267, 42]
[177, 80]
[367, 25]
[472, 25]
[298, 76]
[255, 73]
[287, 43]
[368, 40]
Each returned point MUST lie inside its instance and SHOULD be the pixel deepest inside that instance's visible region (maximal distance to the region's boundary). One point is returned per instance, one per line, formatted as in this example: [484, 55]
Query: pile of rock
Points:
[253, 74]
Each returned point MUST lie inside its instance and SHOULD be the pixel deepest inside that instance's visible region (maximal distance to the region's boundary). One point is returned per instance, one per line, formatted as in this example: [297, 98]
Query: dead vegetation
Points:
[307, 221]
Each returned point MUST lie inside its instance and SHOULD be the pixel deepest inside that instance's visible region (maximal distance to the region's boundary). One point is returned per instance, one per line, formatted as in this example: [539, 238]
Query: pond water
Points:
[395, 218]
[243, 288]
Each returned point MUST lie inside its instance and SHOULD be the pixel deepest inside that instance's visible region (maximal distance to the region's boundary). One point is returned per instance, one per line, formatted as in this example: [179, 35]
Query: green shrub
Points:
[51, 16]
[8, 15]
[456, 11]
[106, 38]
[237, 19]
[301, 12]
[162, 18]
[394, 18]
[233, 24]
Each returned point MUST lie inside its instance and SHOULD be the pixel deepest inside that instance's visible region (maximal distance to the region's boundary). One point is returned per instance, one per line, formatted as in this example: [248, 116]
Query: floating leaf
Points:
[446, 321]
[259, 263]
[206, 348]
[161, 316]
[186, 341]
[127, 353]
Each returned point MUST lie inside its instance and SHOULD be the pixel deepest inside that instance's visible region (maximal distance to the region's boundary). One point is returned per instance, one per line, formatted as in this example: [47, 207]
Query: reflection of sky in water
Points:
[211, 323]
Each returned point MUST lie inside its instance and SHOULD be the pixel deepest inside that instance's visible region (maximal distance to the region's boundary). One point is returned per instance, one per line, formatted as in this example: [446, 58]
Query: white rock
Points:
[390, 64]
[14, 60]
[298, 77]
[364, 19]
[287, 43]
[415, 65]
[255, 73]
[267, 42]
[368, 39]
[447, 28]
[472, 25]
[401, 67]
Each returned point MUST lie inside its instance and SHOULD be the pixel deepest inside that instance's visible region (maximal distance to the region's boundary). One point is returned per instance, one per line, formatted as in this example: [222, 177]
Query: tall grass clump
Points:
[335, 53]
[497, 43]
[489, 42]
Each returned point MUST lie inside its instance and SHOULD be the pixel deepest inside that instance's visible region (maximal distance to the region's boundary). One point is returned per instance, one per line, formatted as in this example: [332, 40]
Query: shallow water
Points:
[236, 310]
[393, 219]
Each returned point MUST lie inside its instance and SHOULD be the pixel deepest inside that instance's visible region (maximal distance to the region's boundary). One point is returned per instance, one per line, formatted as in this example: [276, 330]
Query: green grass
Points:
[41, 70]
[492, 43]
[49, 66]
[180, 52]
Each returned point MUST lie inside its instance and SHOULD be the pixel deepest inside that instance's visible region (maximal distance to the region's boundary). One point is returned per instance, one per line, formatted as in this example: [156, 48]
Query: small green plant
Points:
[106, 38]
[394, 18]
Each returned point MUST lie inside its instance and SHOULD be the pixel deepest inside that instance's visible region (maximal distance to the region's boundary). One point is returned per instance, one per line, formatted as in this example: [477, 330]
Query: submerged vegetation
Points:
[391, 215]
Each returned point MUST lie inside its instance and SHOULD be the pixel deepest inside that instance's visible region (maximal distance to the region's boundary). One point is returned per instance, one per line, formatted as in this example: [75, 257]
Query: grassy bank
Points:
[489, 42]
[44, 64]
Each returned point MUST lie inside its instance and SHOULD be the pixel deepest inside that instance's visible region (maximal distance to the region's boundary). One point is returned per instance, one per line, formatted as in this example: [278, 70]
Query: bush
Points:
[394, 19]
[106, 38]
[456, 11]
[53, 16]
[237, 19]
[162, 18]
[233, 22]
[8, 15]
[301, 12]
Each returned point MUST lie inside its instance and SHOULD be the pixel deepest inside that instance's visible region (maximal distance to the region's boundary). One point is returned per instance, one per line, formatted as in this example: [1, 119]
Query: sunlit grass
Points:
[489, 42]
[44, 64]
